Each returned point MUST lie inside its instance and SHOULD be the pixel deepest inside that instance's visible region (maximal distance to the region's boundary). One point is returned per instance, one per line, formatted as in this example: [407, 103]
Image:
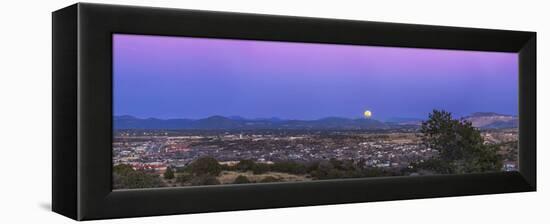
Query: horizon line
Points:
[280, 118]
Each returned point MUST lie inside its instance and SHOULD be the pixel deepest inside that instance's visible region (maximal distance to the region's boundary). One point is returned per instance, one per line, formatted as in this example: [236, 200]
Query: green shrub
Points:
[204, 166]
[168, 174]
[204, 180]
[125, 177]
[241, 180]
[245, 165]
[322, 170]
[260, 168]
[122, 169]
[436, 165]
[183, 178]
[289, 167]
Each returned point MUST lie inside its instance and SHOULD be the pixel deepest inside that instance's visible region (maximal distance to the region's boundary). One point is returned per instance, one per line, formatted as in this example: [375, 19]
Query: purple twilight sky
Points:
[180, 77]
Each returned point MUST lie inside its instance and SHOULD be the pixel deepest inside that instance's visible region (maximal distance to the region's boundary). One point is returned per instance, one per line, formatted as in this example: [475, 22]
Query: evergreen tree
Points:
[169, 173]
[460, 145]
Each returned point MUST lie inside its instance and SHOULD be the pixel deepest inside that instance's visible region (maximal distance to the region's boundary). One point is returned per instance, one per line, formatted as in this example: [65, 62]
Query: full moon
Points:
[367, 114]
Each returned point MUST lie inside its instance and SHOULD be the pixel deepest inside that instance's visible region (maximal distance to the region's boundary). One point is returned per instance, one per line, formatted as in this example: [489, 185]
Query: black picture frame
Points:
[82, 111]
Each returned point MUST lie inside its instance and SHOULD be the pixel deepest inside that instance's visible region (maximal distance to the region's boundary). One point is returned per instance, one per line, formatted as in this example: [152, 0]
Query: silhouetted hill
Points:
[217, 122]
[492, 120]
[485, 114]
[220, 122]
[479, 120]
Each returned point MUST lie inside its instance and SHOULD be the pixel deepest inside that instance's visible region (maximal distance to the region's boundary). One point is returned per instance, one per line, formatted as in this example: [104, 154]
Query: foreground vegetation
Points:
[208, 171]
[125, 177]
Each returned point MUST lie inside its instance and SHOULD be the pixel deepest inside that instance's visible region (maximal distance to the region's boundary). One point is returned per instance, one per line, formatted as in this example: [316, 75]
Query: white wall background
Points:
[25, 112]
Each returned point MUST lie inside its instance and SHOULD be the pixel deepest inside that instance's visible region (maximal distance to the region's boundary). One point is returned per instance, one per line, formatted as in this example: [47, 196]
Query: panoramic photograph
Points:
[204, 111]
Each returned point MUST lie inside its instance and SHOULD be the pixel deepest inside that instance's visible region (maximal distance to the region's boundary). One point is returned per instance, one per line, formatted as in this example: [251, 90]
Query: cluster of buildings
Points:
[157, 150]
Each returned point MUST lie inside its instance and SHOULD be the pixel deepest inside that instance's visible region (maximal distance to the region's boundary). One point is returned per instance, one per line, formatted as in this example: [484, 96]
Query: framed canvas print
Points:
[167, 111]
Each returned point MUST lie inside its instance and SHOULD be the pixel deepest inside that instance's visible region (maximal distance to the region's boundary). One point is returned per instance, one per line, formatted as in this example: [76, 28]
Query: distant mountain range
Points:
[220, 122]
[480, 120]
